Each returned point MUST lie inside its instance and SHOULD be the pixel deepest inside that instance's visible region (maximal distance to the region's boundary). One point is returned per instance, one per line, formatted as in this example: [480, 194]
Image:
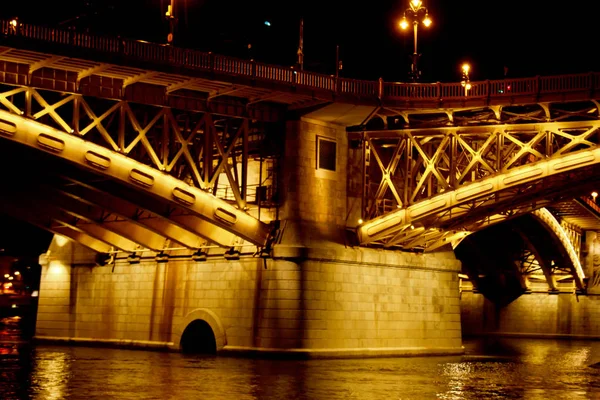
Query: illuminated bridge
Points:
[336, 199]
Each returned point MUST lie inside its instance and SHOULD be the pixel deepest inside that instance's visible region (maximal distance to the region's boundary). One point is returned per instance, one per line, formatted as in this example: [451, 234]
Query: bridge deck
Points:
[183, 71]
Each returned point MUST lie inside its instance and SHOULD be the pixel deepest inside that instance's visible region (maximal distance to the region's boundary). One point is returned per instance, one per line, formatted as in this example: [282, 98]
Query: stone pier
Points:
[314, 296]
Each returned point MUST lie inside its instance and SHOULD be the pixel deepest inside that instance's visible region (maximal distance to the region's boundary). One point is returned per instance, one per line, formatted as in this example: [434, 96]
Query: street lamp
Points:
[170, 14]
[416, 13]
[466, 81]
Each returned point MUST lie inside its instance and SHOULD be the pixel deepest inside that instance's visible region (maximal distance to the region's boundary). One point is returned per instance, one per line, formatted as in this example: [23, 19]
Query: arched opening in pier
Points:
[198, 338]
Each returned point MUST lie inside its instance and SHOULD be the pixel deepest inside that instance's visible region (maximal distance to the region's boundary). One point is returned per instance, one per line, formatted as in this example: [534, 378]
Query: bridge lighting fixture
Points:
[427, 21]
[232, 254]
[134, 258]
[162, 257]
[417, 14]
[199, 256]
[466, 81]
[594, 195]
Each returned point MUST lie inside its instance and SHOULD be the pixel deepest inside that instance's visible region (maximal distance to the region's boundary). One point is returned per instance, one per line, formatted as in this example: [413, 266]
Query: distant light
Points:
[267, 23]
[10, 278]
[14, 306]
[412, 227]
[594, 195]
[6, 275]
[360, 221]
[13, 22]
[35, 293]
[17, 273]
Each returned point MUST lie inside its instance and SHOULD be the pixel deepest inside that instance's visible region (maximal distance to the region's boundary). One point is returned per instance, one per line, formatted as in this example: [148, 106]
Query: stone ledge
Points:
[241, 351]
[93, 342]
[529, 335]
[367, 257]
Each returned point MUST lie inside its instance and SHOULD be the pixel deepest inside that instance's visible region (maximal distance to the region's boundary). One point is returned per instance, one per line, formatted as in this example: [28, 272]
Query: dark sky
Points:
[530, 37]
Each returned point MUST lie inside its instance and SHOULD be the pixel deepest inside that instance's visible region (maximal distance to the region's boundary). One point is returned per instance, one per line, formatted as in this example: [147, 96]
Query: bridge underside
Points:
[110, 202]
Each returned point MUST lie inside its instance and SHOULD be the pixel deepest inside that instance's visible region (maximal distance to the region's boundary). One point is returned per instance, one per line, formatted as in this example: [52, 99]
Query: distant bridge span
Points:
[429, 187]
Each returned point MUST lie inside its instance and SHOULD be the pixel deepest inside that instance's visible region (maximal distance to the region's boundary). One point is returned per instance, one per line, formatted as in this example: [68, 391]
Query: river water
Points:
[492, 369]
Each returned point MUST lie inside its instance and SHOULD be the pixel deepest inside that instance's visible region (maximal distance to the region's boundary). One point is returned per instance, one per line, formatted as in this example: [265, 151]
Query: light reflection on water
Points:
[499, 369]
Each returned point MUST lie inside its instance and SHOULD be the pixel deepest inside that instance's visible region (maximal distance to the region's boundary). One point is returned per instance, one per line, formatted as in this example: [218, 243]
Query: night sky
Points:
[529, 37]
[536, 38]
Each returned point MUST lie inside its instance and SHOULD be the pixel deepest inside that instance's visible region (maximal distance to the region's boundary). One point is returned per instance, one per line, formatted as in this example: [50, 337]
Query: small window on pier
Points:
[326, 153]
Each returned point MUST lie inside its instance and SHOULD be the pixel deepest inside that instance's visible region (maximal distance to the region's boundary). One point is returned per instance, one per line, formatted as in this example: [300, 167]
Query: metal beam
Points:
[177, 216]
[39, 204]
[554, 226]
[43, 222]
[137, 78]
[181, 85]
[162, 226]
[93, 215]
[43, 63]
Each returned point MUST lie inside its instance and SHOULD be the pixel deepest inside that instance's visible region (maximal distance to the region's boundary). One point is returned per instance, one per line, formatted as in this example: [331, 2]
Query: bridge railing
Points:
[165, 54]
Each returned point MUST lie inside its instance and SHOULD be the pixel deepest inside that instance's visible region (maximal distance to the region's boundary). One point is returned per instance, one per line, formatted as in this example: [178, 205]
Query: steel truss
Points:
[425, 187]
[555, 269]
[179, 156]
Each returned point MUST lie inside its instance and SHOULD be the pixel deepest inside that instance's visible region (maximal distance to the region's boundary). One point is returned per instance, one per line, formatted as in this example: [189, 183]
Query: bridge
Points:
[149, 154]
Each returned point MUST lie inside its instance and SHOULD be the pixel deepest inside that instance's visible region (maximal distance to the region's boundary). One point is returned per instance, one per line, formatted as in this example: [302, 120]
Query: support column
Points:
[314, 183]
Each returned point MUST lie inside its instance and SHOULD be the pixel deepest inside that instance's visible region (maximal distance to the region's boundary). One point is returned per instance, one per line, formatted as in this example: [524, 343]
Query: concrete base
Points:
[535, 315]
[317, 302]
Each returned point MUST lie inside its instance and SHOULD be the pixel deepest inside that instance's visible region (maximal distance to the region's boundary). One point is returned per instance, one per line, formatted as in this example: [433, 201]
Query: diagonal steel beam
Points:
[93, 215]
[98, 232]
[136, 78]
[162, 226]
[178, 218]
[43, 222]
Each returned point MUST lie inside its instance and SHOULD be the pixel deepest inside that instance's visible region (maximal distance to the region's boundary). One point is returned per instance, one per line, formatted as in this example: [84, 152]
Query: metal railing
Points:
[193, 59]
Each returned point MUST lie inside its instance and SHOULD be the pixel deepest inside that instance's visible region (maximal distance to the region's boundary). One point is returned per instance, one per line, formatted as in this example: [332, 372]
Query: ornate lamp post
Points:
[466, 80]
[416, 13]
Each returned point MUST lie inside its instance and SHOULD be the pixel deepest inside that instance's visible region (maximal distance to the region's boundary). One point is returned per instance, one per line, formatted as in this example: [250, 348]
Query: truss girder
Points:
[533, 257]
[123, 168]
[446, 173]
[42, 209]
[45, 223]
[176, 215]
[135, 214]
[88, 214]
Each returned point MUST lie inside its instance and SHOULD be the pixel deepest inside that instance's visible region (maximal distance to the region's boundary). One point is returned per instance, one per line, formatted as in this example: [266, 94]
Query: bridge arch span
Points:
[222, 220]
[519, 256]
[194, 332]
[451, 215]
